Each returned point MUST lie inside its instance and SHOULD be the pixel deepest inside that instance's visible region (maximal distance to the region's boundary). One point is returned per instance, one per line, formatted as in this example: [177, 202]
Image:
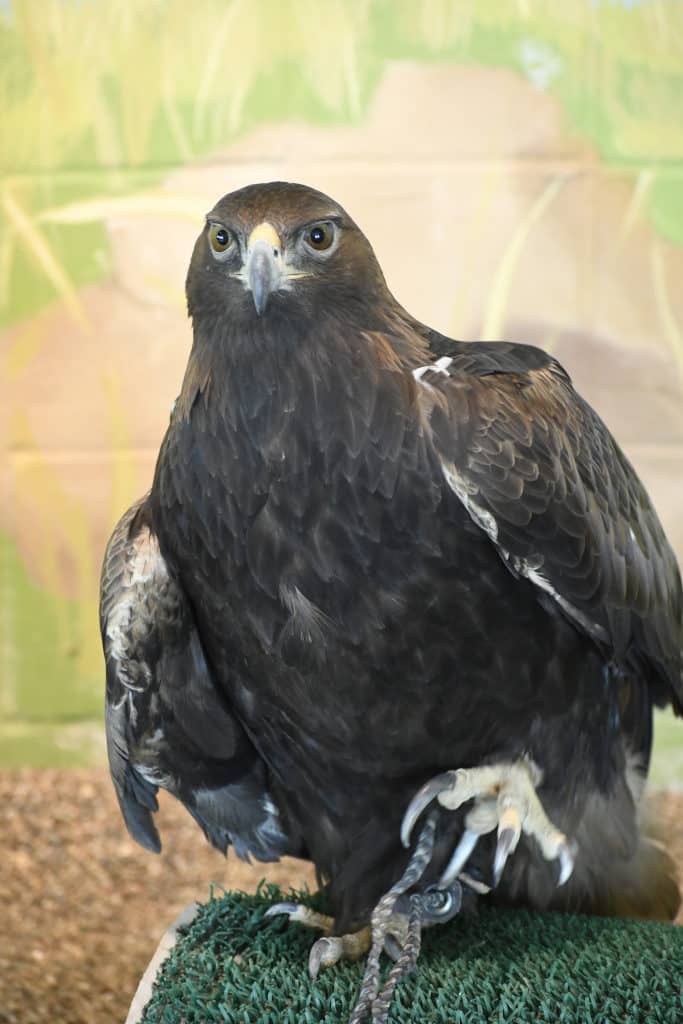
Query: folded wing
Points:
[166, 724]
[539, 472]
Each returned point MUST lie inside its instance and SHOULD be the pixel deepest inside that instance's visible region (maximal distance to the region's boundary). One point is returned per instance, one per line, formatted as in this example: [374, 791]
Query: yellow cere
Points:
[265, 232]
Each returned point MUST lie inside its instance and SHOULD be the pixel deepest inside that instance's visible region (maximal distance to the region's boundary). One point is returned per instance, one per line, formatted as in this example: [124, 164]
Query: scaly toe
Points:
[505, 799]
[302, 914]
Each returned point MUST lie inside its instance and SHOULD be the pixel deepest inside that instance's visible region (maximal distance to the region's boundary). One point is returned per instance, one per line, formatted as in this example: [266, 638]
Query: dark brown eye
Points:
[320, 236]
[220, 238]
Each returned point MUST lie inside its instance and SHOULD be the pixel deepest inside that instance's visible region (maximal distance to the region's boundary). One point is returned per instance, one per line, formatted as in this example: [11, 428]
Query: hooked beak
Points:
[264, 269]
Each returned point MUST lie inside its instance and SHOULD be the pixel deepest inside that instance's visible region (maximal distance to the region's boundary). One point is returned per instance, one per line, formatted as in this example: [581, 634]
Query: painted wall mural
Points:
[517, 165]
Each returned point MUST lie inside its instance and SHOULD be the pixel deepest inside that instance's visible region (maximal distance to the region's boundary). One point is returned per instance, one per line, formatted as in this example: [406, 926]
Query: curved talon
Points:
[507, 842]
[324, 953]
[459, 858]
[281, 908]
[422, 799]
[567, 857]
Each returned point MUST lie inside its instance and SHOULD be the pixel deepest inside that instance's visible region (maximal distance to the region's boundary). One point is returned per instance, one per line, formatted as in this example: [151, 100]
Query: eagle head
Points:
[279, 249]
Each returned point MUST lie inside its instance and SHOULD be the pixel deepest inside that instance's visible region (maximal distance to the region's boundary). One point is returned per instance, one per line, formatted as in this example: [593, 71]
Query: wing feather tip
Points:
[140, 825]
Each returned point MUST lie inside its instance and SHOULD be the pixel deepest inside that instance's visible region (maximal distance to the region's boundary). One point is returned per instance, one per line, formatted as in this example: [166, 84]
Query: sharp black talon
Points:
[422, 799]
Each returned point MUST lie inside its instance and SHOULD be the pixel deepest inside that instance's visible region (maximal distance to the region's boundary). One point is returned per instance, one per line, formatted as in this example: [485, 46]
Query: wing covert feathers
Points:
[539, 472]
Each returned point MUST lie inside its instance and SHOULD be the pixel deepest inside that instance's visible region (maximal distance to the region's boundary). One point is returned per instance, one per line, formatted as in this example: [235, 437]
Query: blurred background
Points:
[518, 167]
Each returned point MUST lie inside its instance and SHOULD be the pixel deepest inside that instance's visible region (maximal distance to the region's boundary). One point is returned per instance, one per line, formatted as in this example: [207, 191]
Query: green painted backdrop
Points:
[518, 165]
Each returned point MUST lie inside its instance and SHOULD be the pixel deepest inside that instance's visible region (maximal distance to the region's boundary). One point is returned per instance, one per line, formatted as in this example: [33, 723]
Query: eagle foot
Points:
[505, 799]
[329, 949]
[395, 929]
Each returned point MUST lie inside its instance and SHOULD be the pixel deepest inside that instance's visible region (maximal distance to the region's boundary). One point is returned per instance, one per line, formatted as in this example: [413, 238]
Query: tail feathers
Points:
[138, 802]
[219, 837]
[222, 839]
[238, 815]
[644, 887]
[626, 870]
[639, 878]
[623, 870]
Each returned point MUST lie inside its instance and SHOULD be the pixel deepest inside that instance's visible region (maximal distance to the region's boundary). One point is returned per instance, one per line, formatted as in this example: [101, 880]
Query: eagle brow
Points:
[325, 218]
[211, 219]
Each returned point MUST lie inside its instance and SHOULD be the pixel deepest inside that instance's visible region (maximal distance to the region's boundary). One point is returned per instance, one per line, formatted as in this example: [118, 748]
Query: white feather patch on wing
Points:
[528, 567]
[144, 566]
[439, 366]
[538, 580]
[269, 807]
[465, 493]
[154, 778]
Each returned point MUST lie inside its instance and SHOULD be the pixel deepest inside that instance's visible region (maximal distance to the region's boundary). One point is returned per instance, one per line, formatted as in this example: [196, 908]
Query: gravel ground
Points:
[82, 907]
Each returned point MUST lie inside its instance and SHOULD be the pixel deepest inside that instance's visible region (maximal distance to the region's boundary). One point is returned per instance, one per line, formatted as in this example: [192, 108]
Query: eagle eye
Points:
[320, 236]
[220, 239]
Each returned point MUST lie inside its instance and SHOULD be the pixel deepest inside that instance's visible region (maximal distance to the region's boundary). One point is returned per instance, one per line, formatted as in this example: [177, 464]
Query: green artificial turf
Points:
[232, 965]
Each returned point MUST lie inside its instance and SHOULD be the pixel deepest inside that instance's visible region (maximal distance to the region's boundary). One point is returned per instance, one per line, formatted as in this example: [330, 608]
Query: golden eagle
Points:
[383, 577]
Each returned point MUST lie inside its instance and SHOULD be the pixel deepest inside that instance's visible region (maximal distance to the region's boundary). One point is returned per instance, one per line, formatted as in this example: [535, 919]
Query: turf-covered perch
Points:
[234, 966]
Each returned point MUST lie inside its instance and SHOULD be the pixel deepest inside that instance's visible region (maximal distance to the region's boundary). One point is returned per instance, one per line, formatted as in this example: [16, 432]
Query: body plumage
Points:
[397, 554]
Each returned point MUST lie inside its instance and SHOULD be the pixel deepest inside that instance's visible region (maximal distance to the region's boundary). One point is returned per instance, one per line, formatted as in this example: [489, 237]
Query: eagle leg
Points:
[505, 799]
